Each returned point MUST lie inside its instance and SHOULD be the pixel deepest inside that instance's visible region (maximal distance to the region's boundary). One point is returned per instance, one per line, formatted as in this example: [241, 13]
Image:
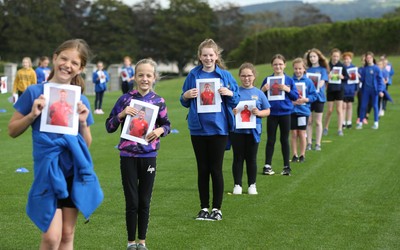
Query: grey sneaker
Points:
[317, 147]
[267, 170]
[309, 146]
[141, 246]
[340, 133]
[132, 247]
[215, 215]
[202, 215]
[286, 171]
[325, 132]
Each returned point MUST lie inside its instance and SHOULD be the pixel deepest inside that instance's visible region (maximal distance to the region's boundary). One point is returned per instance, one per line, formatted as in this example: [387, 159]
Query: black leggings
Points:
[244, 149]
[98, 102]
[137, 176]
[284, 126]
[209, 151]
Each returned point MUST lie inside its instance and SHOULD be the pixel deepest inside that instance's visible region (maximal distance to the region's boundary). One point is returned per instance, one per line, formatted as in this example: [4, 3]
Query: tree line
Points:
[113, 29]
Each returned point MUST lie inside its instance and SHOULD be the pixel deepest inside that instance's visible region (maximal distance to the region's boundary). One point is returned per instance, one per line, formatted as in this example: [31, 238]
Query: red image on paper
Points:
[207, 96]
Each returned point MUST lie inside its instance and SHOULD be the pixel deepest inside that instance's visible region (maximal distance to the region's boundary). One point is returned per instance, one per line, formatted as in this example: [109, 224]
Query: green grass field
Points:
[344, 197]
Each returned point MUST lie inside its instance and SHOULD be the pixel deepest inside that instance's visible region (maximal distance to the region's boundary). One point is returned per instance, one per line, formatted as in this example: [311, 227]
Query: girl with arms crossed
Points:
[209, 131]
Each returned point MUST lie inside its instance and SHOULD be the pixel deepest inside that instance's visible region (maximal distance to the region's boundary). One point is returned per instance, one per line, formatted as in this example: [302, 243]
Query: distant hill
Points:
[337, 11]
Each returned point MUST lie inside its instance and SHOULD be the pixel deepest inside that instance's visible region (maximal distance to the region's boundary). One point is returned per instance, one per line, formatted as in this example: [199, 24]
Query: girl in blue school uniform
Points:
[301, 110]
[100, 78]
[317, 63]
[389, 68]
[209, 131]
[245, 141]
[279, 116]
[127, 86]
[349, 91]
[372, 88]
[43, 70]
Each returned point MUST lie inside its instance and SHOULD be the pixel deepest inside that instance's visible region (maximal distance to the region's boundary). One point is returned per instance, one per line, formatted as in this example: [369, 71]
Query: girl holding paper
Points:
[245, 141]
[280, 114]
[301, 109]
[62, 163]
[138, 161]
[100, 79]
[127, 75]
[317, 64]
[209, 130]
[349, 90]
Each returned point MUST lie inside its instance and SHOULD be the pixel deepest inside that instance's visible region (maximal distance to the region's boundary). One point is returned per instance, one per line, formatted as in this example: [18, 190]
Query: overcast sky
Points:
[165, 3]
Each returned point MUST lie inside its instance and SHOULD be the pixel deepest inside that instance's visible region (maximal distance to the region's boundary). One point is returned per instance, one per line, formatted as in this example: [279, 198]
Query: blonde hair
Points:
[151, 62]
[209, 43]
[29, 60]
[299, 60]
[249, 66]
[84, 54]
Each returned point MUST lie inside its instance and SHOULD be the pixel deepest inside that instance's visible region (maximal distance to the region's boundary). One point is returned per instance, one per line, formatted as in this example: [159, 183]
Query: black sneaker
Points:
[295, 158]
[286, 171]
[215, 215]
[202, 215]
[349, 126]
[267, 170]
[302, 158]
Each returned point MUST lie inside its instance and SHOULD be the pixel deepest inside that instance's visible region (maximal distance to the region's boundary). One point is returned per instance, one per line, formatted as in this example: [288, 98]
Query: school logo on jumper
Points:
[151, 169]
[254, 97]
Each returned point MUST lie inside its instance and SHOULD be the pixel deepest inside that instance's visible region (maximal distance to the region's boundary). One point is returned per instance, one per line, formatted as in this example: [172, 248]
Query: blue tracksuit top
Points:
[350, 89]
[131, 72]
[195, 120]
[371, 77]
[337, 87]
[390, 69]
[100, 87]
[324, 76]
[283, 107]
[311, 94]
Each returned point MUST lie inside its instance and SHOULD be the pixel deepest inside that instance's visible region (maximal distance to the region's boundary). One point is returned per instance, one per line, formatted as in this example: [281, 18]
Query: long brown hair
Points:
[321, 59]
[209, 43]
[84, 54]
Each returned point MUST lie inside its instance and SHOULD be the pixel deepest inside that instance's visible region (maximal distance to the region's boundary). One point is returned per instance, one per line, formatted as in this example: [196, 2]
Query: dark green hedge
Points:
[380, 36]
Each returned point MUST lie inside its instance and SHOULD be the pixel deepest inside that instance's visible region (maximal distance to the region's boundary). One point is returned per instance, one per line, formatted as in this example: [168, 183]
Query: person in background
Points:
[279, 116]
[209, 131]
[389, 68]
[245, 141]
[62, 163]
[335, 92]
[25, 77]
[138, 161]
[100, 78]
[128, 73]
[349, 91]
[317, 63]
[301, 110]
[43, 70]
[373, 87]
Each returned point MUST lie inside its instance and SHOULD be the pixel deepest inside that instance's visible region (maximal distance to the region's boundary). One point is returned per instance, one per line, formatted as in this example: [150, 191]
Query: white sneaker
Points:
[382, 112]
[101, 112]
[96, 111]
[237, 189]
[376, 125]
[359, 125]
[252, 189]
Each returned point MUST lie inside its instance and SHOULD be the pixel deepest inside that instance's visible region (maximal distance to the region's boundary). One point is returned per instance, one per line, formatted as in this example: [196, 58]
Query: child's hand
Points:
[265, 88]
[234, 111]
[38, 106]
[191, 93]
[156, 133]
[225, 91]
[83, 112]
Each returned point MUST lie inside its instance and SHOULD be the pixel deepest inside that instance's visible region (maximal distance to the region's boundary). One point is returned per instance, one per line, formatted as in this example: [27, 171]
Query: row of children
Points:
[301, 106]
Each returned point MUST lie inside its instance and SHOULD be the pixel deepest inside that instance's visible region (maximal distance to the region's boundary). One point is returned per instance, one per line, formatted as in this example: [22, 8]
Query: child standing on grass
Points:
[100, 79]
[245, 141]
[43, 70]
[385, 74]
[25, 77]
[209, 131]
[317, 63]
[301, 110]
[280, 115]
[127, 85]
[349, 91]
[138, 161]
[335, 92]
[53, 208]
[372, 88]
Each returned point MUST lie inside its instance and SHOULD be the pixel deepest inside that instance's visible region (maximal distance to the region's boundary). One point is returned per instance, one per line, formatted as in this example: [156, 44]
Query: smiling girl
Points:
[56, 216]
[209, 131]
[138, 161]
